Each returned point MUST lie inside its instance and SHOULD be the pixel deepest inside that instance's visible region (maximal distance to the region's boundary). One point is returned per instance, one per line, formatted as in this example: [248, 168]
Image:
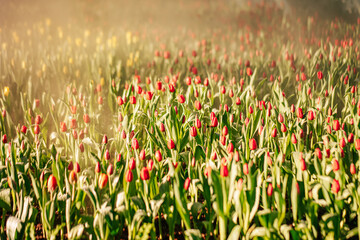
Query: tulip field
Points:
[244, 130]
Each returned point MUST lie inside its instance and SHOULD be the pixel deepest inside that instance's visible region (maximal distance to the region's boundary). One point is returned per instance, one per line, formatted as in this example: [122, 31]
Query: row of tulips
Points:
[202, 144]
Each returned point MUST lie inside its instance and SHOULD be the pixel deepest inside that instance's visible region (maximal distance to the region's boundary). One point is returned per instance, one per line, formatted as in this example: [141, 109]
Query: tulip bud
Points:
[357, 144]
[336, 125]
[51, 183]
[70, 166]
[352, 169]
[129, 176]
[302, 164]
[187, 183]
[335, 165]
[299, 113]
[270, 190]
[110, 169]
[158, 156]
[97, 167]
[103, 179]
[342, 142]
[252, 144]
[274, 133]
[142, 155]
[107, 155]
[132, 163]
[246, 169]
[193, 132]
[144, 174]
[4, 139]
[181, 98]
[293, 138]
[135, 144]
[318, 153]
[86, 118]
[77, 167]
[280, 118]
[72, 177]
[23, 129]
[171, 144]
[311, 115]
[214, 122]
[335, 187]
[224, 171]
[63, 127]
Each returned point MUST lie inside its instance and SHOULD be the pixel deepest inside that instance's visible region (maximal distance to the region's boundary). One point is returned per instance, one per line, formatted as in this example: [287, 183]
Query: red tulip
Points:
[86, 118]
[97, 167]
[246, 169]
[135, 144]
[335, 187]
[77, 167]
[239, 184]
[197, 105]
[270, 190]
[51, 183]
[72, 177]
[181, 98]
[158, 156]
[38, 119]
[4, 138]
[283, 127]
[357, 144]
[70, 166]
[318, 153]
[193, 132]
[81, 147]
[274, 133]
[104, 139]
[311, 115]
[336, 125]
[142, 155]
[162, 127]
[335, 165]
[293, 139]
[103, 179]
[129, 175]
[171, 144]
[132, 163]
[320, 75]
[224, 172]
[214, 122]
[120, 101]
[149, 95]
[107, 155]
[252, 144]
[352, 169]
[299, 113]
[23, 129]
[187, 183]
[342, 142]
[144, 174]
[158, 85]
[63, 127]
[230, 148]
[249, 72]
[133, 100]
[302, 164]
[280, 118]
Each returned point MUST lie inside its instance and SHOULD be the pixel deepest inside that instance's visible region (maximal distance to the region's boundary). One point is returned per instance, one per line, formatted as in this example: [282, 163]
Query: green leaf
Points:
[5, 202]
[14, 228]
[235, 233]
[76, 232]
